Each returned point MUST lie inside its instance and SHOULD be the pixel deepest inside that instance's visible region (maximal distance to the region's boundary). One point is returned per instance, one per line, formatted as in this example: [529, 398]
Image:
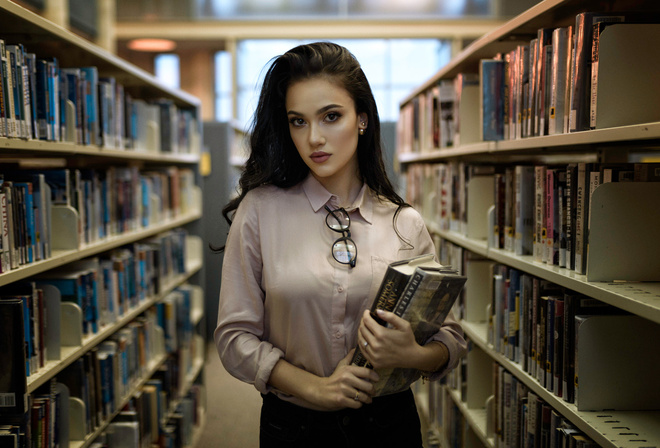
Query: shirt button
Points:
[340, 288]
[338, 334]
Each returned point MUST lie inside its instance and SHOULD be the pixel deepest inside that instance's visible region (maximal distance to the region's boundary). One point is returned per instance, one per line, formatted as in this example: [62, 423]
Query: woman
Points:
[312, 231]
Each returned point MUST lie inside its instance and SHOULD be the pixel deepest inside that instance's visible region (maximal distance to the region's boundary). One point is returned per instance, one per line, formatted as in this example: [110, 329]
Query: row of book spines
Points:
[539, 210]
[107, 202]
[144, 421]
[521, 419]
[36, 95]
[533, 323]
[545, 87]
[524, 420]
[104, 289]
[156, 420]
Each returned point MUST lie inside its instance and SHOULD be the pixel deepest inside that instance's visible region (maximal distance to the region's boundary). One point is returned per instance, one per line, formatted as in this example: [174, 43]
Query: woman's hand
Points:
[396, 346]
[349, 386]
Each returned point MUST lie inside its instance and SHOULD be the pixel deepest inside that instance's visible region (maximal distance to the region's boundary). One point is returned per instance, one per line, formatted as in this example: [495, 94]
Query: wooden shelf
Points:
[153, 367]
[641, 298]
[523, 28]
[61, 258]
[564, 147]
[642, 428]
[70, 354]
[41, 148]
[476, 418]
[21, 25]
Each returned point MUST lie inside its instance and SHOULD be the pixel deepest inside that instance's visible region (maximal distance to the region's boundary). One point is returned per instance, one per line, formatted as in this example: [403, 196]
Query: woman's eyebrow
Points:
[318, 112]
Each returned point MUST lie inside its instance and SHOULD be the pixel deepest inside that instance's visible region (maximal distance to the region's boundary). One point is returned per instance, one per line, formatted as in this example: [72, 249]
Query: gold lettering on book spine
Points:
[388, 297]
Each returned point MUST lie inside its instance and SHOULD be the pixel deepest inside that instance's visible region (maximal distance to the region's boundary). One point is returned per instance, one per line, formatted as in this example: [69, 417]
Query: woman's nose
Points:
[316, 135]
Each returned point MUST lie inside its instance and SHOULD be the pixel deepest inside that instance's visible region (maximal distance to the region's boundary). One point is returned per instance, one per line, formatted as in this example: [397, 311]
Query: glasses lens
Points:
[344, 250]
[338, 220]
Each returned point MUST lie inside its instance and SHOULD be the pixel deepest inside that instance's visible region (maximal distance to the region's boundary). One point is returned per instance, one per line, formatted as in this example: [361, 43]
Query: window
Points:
[394, 67]
[223, 87]
[166, 68]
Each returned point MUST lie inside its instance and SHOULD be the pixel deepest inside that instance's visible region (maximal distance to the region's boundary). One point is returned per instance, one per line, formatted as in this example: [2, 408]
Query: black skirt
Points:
[389, 421]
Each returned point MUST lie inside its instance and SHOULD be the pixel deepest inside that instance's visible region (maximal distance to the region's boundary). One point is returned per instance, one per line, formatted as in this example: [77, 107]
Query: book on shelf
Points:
[421, 291]
[524, 209]
[559, 83]
[446, 97]
[13, 374]
[491, 94]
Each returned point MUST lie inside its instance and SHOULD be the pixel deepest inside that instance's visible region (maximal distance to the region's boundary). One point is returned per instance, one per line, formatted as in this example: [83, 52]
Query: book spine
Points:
[26, 92]
[3, 98]
[539, 214]
[558, 347]
[550, 193]
[579, 116]
[492, 86]
[560, 54]
[8, 74]
[388, 294]
[13, 388]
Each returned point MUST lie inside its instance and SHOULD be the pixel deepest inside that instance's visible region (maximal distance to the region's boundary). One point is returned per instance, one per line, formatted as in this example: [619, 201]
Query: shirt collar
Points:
[318, 196]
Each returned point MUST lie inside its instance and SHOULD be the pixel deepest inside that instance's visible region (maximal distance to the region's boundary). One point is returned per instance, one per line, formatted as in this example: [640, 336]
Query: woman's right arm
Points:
[241, 304]
[338, 391]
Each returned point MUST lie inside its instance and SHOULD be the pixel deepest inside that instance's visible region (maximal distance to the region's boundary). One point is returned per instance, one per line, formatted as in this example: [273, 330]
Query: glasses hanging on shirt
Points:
[344, 249]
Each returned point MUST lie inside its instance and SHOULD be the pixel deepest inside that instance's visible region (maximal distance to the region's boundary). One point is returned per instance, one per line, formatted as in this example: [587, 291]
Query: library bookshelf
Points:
[118, 212]
[471, 191]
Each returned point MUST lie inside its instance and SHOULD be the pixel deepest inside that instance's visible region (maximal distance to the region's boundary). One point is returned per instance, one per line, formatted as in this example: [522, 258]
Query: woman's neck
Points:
[346, 189]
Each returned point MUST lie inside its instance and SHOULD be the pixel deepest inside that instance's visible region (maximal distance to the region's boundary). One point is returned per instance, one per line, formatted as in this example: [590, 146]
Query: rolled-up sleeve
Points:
[240, 330]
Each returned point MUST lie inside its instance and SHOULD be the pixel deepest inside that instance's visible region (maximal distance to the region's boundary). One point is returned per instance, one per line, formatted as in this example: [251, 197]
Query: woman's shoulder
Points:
[267, 195]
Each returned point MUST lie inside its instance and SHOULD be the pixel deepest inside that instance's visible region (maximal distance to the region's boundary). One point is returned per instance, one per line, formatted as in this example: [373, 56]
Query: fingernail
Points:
[380, 312]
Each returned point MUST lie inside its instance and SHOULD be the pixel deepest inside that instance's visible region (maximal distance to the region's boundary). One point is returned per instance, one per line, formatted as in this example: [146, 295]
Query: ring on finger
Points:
[357, 396]
[364, 344]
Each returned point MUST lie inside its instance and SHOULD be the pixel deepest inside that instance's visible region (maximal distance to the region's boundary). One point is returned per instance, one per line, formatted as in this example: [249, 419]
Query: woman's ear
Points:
[363, 120]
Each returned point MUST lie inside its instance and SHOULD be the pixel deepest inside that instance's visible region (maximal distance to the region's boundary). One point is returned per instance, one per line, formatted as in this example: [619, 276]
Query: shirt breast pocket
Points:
[378, 268]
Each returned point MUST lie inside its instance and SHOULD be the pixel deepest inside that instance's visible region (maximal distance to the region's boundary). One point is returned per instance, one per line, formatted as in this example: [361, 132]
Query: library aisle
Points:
[232, 410]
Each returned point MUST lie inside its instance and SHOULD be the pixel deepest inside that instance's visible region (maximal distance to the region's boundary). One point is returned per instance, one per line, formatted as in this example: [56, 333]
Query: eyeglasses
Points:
[344, 249]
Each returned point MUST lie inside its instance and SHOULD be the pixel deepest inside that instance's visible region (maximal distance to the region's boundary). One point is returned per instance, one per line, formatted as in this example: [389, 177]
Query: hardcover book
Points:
[421, 291]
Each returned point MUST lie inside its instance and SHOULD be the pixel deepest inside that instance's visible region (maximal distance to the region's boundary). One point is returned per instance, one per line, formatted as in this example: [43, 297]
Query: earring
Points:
[361, 131]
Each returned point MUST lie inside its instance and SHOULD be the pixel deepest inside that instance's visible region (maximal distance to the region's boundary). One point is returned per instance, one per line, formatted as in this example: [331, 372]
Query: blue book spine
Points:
[54, 100]
[91, 100]
[27, 325]
[492, 85]
[43, 101]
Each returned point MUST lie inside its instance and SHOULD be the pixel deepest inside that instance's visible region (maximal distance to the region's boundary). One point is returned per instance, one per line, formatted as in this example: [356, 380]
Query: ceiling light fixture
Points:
[155, 45]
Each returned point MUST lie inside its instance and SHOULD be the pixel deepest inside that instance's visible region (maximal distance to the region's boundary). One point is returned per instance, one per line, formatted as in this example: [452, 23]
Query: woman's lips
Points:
[319, 156]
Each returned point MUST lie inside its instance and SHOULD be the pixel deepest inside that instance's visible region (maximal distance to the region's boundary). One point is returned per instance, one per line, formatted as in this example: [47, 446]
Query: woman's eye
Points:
[332, 116]
[297, 122]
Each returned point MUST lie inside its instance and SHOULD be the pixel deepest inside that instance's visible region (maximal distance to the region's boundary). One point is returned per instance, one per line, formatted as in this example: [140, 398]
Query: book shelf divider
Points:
[71, 325]
[77, 420]
[623, 242]
[64, 228]
[70, 130]
[626, 80]
[53, 301]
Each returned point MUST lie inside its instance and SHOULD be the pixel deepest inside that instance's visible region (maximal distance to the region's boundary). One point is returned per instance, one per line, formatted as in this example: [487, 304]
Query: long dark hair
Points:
[273, 158]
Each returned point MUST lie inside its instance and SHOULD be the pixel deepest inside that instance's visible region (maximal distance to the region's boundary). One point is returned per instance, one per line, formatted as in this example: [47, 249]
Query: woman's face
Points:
[324, 126]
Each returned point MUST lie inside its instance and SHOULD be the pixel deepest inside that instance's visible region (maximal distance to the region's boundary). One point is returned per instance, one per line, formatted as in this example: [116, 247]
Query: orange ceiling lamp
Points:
[152, 45]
